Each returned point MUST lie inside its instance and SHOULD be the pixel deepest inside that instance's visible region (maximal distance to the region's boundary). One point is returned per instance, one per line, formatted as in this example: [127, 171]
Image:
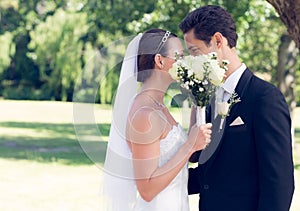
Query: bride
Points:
[146, 161]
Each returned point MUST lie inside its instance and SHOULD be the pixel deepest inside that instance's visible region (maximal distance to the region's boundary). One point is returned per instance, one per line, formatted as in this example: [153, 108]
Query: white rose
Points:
[223, 108]
[185, 63]
[217, 73]
[188, 60]
[197, 66]
[173, 71]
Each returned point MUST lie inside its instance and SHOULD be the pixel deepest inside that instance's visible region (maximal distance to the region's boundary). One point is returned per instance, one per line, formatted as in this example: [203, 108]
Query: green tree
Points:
[7, 50]
[107, 22]
[9, 16]
[57, 50]
[18, 18]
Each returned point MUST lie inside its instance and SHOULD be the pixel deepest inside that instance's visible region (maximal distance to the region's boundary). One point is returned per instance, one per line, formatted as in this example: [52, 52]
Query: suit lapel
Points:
[240, 90]
[218, 138]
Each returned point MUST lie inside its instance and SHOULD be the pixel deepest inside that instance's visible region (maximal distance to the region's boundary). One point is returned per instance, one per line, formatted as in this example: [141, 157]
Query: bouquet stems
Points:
[200, 115]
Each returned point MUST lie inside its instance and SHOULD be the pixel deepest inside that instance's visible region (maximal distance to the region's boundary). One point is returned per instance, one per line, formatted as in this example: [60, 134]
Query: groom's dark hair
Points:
[208, 20]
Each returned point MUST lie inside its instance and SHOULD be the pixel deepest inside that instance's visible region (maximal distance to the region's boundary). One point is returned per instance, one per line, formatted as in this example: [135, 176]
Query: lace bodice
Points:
[171, 143]
[175, 196]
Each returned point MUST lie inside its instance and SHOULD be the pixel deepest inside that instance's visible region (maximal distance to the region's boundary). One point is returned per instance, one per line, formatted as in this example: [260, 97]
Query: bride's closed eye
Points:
[176, 55]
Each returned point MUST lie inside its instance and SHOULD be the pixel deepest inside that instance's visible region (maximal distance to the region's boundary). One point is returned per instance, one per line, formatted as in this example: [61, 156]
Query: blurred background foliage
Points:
[50, 49]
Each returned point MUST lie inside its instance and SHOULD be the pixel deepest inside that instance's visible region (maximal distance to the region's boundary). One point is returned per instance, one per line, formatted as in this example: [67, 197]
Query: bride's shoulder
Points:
[145, 121]
[146, 117]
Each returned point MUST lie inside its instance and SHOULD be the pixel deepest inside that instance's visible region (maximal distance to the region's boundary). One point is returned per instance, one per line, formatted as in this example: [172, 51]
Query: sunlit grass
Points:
[44, 132]
[35, 186]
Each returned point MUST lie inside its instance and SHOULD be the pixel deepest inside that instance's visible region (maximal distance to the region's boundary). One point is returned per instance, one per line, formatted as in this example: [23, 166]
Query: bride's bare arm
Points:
[144, 133]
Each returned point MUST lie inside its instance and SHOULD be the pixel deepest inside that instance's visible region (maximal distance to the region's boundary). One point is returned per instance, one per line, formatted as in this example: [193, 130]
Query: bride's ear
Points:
[158, 62]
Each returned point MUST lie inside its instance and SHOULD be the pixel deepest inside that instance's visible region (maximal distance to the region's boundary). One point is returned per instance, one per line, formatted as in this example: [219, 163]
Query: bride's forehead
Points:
[175, 43]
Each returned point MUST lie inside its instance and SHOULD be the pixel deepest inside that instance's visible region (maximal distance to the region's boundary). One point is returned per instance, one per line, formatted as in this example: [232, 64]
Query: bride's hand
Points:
[199, 136]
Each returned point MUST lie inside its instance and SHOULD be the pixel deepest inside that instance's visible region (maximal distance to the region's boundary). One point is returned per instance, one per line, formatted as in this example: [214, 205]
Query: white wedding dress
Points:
[175, 196]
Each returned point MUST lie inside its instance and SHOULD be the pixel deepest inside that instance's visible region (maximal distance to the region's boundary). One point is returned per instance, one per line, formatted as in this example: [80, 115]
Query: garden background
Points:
[58, 57]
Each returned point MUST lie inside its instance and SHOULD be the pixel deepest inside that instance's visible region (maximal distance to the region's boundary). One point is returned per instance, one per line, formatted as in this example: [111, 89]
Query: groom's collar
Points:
[233, 79]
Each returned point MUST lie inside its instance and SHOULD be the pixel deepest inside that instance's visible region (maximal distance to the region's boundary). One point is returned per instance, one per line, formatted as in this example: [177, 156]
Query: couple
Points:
[146, 168]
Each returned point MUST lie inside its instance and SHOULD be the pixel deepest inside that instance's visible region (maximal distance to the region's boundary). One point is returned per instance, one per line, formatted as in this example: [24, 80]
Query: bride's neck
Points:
[154, 91]
[156, 88]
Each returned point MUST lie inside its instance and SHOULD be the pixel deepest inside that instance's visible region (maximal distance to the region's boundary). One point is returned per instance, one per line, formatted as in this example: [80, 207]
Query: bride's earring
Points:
[162, 65]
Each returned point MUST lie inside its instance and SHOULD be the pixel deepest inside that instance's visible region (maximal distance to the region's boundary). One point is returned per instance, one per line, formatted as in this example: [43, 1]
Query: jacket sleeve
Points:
[272, 130]
[195, 157]
[194, 181]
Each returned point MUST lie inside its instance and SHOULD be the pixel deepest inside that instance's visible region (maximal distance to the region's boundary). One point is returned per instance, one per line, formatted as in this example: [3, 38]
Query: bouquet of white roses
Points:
[200, 76]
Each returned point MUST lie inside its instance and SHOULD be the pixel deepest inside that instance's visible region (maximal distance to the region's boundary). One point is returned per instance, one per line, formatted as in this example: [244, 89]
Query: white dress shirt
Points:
[232, 81]
[224, 92]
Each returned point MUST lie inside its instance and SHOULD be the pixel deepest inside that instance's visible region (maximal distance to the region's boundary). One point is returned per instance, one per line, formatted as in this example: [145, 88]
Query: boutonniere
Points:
[225, 107]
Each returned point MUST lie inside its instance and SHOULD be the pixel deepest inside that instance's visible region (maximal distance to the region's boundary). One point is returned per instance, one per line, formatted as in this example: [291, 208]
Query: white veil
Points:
[118, 192]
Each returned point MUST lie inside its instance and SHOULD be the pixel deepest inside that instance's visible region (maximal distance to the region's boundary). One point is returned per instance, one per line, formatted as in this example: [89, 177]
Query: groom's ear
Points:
[218, 39]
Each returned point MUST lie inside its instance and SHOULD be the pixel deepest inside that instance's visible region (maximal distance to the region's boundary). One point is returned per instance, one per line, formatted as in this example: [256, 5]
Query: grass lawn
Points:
[43, 165]
[48, 165]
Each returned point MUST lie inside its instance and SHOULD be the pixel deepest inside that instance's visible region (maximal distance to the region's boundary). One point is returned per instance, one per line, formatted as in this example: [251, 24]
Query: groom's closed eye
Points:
[194, 51]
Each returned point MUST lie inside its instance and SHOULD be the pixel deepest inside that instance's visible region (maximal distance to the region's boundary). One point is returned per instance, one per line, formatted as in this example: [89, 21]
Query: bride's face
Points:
[175, 47]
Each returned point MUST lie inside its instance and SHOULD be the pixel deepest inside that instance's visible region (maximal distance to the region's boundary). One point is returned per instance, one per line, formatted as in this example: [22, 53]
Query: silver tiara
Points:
[163, 40]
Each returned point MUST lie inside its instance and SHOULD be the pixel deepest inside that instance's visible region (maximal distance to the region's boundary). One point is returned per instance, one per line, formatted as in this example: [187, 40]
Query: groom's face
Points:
[195, 46]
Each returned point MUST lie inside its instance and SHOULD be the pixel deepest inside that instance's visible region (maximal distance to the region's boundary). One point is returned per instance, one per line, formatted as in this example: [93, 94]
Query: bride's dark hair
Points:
[153, 41]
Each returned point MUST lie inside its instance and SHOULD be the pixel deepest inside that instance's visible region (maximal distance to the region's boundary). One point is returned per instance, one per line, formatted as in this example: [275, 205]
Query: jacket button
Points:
[206, 187]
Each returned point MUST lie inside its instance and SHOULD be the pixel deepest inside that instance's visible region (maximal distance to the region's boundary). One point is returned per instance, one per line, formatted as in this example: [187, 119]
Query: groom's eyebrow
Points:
[191, 47]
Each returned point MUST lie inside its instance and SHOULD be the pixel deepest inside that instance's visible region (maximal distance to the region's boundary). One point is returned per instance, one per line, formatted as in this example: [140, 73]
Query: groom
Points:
[251, 169]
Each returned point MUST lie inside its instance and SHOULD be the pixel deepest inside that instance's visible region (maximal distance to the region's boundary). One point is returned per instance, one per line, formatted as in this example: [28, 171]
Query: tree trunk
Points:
[70, 92]
[289, 12]
[286, 71]
[58, 91]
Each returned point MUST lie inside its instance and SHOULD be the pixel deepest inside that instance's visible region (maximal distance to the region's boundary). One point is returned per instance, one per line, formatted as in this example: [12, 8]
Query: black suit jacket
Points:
[252, 168]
